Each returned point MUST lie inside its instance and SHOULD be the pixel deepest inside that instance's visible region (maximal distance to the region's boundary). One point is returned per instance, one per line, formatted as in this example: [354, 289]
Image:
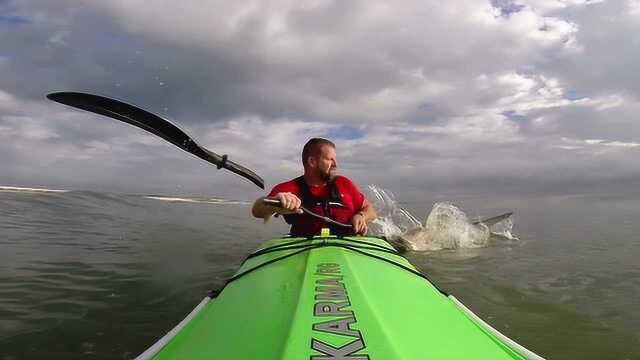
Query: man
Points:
[321, 191]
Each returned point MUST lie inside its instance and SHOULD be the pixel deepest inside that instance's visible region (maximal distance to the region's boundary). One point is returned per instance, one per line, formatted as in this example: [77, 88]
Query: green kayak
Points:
[327, 298]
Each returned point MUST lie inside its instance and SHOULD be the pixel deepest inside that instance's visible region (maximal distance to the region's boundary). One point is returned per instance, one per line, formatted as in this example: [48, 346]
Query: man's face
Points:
[326, 163]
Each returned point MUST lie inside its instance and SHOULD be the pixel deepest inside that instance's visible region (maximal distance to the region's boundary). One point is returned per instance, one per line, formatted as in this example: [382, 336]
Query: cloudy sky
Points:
[537, 96]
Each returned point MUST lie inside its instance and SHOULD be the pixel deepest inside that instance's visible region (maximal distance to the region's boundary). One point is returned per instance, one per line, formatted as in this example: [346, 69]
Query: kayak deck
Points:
[332, 298]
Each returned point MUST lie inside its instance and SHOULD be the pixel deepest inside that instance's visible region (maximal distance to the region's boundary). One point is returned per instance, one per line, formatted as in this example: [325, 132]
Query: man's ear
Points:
[312, 161]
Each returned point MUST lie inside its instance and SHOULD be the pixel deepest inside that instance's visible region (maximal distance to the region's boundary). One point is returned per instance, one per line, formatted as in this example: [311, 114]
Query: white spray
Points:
[446, 227]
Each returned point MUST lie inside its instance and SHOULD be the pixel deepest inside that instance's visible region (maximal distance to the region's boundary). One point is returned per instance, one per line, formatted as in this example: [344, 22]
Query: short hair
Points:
[313, 148]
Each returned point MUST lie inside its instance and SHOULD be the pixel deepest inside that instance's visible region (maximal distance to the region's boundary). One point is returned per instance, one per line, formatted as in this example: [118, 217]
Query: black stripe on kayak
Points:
[288, 246]
[236, 277]
[320, 245]
[311, 246]
[255, 253]
[415, 272]
[390, 250]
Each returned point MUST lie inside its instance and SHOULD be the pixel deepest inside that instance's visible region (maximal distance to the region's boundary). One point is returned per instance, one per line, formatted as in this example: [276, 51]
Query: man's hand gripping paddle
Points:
[277, 203]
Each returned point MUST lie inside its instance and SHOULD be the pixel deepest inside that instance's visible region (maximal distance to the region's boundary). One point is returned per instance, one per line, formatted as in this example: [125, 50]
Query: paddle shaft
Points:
[277, 203]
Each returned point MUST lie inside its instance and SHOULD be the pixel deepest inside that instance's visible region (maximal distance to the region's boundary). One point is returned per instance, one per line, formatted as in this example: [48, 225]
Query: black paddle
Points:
[152, 123]
[277, 203]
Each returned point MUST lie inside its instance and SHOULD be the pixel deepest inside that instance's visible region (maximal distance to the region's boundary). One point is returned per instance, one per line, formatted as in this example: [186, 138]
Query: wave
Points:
[96, 196]
[216, 201]
[29, 189]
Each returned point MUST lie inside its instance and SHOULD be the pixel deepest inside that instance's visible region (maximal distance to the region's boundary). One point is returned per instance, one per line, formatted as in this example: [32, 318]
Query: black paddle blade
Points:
[127, 113]
[152, 123]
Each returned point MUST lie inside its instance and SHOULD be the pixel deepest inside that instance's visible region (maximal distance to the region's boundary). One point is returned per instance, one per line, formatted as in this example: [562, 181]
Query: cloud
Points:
[417, 93]
[334, 62]
[634, 7]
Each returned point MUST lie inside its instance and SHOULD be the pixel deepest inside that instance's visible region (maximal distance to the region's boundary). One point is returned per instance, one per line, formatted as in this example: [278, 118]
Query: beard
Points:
[330, 175]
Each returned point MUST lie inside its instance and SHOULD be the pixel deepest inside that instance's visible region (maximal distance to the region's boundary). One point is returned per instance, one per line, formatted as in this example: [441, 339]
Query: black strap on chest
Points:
[308, 199]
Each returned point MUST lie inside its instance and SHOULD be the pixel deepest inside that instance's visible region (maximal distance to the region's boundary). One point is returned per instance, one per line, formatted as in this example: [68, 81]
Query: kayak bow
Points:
[324, 298]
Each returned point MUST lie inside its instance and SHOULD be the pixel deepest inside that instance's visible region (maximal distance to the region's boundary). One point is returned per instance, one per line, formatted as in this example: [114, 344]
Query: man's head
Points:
[319, 158]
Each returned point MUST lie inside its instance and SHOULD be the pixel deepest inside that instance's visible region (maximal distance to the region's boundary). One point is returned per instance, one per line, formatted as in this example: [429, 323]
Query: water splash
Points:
[392, 220]
[446, 226]
[504, 229]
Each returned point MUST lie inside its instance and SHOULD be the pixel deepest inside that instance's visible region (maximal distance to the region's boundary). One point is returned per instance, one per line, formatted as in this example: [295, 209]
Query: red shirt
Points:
[352, 201]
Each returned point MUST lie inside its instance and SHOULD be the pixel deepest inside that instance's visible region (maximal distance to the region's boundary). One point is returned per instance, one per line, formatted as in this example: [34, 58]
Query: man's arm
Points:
[290, 205]
[366, 215]
[368, 211]
[262, 210]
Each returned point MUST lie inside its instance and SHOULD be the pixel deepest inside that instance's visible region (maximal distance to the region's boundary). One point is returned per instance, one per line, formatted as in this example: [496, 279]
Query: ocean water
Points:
[102, 276]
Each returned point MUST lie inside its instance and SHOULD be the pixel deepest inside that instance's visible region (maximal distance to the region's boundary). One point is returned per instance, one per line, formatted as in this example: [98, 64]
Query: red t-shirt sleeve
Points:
[289, 186]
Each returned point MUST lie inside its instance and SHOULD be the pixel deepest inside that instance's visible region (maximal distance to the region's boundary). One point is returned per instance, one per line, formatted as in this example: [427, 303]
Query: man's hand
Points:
[290, 204]
[359, 224]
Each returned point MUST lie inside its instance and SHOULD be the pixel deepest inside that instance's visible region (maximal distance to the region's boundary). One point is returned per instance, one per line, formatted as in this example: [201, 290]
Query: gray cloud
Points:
[524, 95]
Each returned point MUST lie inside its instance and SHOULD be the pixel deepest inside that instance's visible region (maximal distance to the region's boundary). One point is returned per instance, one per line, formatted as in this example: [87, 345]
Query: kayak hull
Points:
[331, 298]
